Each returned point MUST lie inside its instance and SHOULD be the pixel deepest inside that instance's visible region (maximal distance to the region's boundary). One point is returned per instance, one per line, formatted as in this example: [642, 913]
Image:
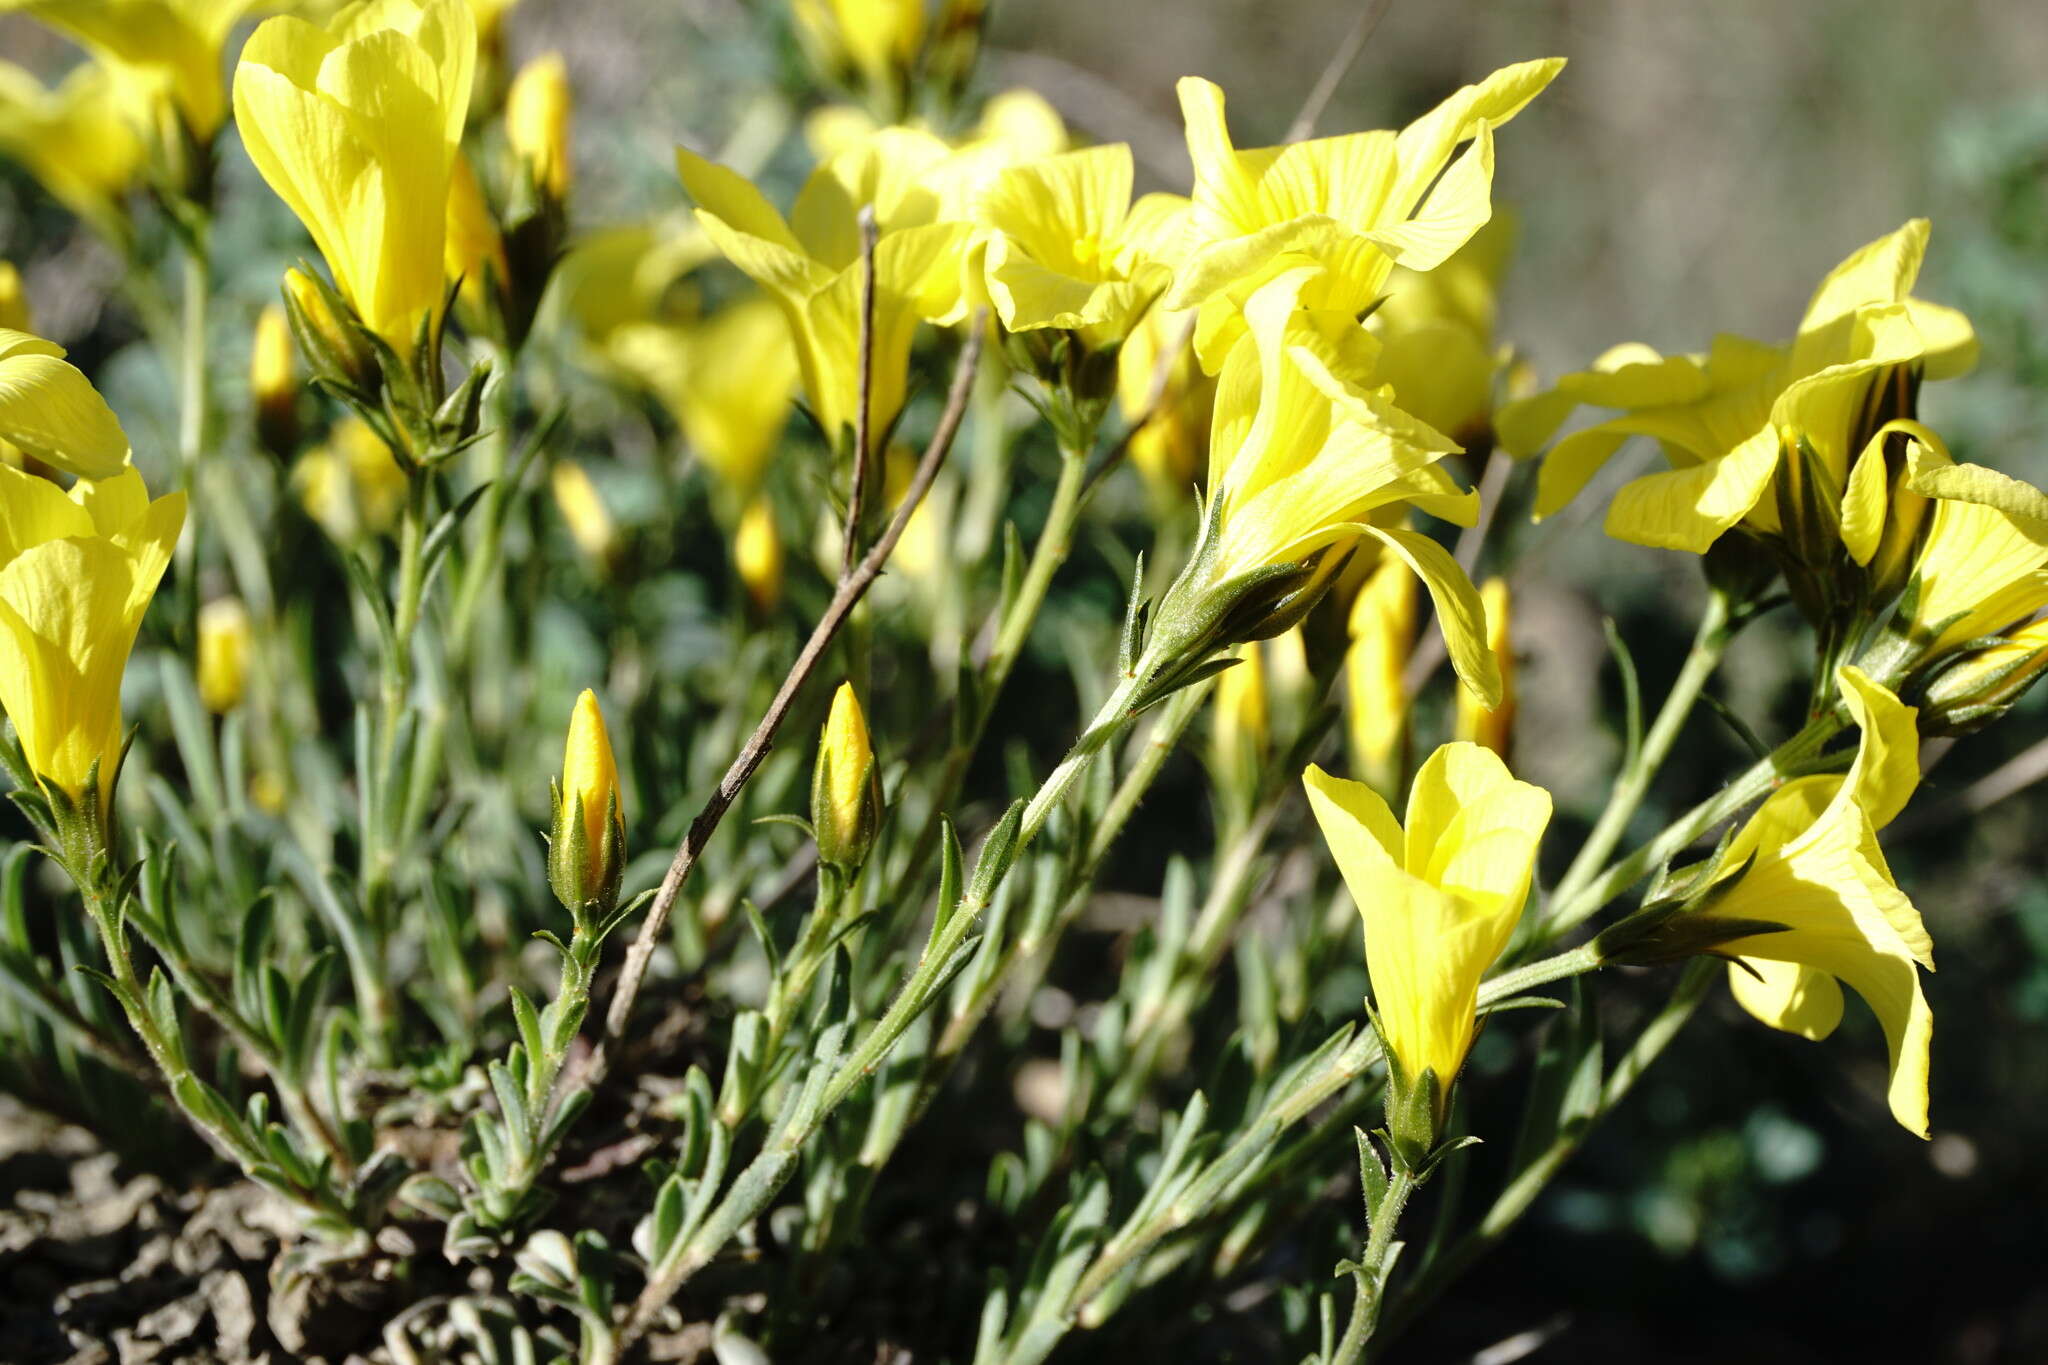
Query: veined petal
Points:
[1458, 206]
[1688, 509]
[1881, 272]
[1887, 768]
[732, 200]
[52, 411]
[1864, 501]
[1426, 144]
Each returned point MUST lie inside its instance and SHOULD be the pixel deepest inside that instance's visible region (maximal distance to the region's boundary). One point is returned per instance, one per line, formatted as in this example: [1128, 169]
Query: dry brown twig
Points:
[852, 586]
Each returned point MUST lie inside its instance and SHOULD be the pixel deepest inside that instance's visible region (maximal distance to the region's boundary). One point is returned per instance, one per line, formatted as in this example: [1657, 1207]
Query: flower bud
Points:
[223, 654]
[846, 798]
[587, 848]
[1495, 728]
[274, 382]
[590, 524]
[537, 110]
[1382, 628]
[757, 555]
[1243, 725]
[328, 333]
[1982, 686]
[14, 315]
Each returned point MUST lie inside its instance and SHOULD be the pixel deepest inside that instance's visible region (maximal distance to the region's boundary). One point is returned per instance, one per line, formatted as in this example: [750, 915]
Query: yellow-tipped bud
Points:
[587, 849]
[1981, 687]
[537, 111]
[583, 510]
[757, 555]
[14, 314]
[327, 332]
[846, 800]
[1382, 627]
[1494, 728]
[223, 654]
[274, 382]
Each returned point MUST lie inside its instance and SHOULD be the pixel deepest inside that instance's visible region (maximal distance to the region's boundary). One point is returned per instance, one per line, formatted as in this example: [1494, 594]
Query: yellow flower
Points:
[727, 380]
[223, 654]
[845, 795]
[1809, 860]
[537, 109]
[1439, 899]
[1728, 420]
[583, 511]
[1382, 628]
[587, 848]
[1492, 727]
[74, 140]
[1064, 246]
[51, 411]
[14, 314]
[876, 41]
[811, 265]
[1305, 460]
[168, 52]
[757, 555]
[77, 571]
[352, 486]
[1358, 204]
[356, 127]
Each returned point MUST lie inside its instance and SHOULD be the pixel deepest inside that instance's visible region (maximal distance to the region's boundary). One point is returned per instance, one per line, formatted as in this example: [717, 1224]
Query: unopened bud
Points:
[757, 555]
[583, 511]
[537, 111]
[1982, 686]
[274, 382]
[846, 800]
[329, 334]
[1495, 728]
[1243, 724]
[587, 847]
[1382, 632]
[223, 654]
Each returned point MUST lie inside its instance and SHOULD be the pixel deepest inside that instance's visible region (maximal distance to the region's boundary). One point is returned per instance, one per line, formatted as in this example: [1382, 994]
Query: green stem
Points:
[1055, 543]
[758, 1184]
[1797, 755]
[480, 572]
[1507, 985]
[1521, 1192]
[1708, 644]
[1371, 1282]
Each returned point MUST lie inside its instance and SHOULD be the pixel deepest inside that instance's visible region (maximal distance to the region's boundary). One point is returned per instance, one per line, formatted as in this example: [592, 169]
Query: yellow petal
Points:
[1864, 501]
[1688, 509]
[1787, 996]
[53, 412]
[1459, 613]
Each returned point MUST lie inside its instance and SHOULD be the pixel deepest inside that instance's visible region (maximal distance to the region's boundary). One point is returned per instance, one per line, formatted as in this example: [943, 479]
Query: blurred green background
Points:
[1696, 169]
